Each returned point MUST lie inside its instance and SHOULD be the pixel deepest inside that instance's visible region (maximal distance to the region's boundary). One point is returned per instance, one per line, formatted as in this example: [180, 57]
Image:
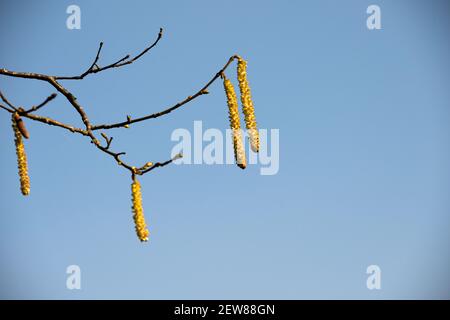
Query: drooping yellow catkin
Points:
[138, 211]
[247, 105]
[21, 158]
[235, 123]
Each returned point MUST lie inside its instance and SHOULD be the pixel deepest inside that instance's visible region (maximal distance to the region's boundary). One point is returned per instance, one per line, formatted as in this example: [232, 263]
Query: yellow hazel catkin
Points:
[21, 158]
[233, 111]
[247, 105]
[138, 211]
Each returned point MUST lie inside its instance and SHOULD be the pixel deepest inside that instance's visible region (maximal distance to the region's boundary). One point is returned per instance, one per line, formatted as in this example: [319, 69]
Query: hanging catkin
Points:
[235, 124]
[138, 211]
[247, 105]
[21, 157]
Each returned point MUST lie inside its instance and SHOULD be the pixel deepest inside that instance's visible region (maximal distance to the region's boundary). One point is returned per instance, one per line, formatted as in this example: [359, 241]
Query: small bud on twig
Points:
[21, 126]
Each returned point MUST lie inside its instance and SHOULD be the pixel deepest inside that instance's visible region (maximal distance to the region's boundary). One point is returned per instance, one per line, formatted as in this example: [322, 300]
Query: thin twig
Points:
[95, 61]
[6, 108]
[47, 100]
[7, 101]
[107, 139]
[161, 164]
[119, 63]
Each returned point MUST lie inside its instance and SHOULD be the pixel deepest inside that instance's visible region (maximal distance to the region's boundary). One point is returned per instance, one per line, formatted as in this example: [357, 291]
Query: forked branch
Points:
[95, 68]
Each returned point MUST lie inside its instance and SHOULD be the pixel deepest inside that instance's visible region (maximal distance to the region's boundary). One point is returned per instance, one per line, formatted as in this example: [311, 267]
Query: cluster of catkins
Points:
[247, 109]
[235, 124]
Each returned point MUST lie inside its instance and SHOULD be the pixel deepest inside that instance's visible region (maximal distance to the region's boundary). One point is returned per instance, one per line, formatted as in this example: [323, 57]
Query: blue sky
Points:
[364, 152]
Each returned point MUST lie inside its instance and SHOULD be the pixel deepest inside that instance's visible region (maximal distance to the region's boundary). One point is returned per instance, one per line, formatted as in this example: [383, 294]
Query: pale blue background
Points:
[364, 173]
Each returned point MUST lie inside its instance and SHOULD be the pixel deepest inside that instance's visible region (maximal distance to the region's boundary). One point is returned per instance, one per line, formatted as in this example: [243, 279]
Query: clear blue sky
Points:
[364, 152]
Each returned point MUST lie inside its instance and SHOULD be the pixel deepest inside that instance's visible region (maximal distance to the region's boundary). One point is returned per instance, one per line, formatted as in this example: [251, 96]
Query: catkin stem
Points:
[235, 123]
[247, 105]
[21, 158]
[138, 211]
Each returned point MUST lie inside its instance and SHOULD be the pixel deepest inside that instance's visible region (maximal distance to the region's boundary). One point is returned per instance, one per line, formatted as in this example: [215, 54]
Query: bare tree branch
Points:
[46, 120]
[202, 91]
[86, 132]
[25, 75]
[73, 101]
[53, 122]
[89, 128]
[94, 68]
